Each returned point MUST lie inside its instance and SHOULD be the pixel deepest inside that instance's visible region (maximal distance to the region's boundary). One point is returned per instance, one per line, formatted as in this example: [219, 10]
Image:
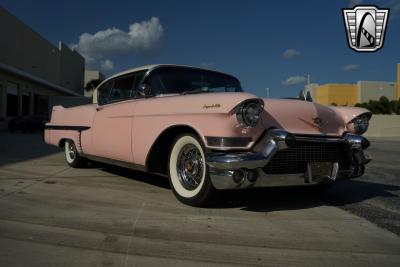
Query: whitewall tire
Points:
[188, 172]
[72, 156]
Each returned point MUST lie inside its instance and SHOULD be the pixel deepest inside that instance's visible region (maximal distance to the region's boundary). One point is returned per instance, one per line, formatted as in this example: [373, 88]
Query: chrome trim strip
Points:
[66, 127]
[119, 163]
[222, 179]
[216, 141]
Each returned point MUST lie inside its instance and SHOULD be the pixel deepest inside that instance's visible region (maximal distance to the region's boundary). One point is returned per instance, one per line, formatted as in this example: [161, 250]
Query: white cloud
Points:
[97, 48]
[106, 65]
[353, 3]
[289, 53]
[294, 80]
[351, 67]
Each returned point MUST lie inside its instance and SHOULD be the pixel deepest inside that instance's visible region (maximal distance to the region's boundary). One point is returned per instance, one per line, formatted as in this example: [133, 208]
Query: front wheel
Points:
[72, 156]
[188, 172]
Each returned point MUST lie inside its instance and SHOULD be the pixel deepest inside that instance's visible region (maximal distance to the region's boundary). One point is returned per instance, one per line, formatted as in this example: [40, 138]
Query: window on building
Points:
[25, 104]
[12, 99]
[41, 105]
[2, 101]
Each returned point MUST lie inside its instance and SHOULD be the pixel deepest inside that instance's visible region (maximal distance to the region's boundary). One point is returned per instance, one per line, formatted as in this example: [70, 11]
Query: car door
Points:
[112, 125]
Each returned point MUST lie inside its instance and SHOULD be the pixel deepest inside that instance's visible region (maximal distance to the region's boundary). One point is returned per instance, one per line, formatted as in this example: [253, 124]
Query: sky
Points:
[266, 44]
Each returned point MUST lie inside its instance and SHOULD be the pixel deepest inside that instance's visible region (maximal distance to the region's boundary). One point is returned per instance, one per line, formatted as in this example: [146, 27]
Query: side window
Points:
[122, 88]
[138, 78]
[104, 93]
[154, 80]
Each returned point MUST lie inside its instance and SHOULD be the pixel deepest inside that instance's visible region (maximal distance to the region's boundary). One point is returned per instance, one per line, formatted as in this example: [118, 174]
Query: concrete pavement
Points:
[53, 215]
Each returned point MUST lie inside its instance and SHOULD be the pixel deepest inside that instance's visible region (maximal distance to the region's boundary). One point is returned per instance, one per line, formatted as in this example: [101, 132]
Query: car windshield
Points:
[181, 80]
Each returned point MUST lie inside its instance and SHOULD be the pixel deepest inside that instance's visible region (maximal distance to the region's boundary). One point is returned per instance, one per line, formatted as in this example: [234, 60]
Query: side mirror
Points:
[309, 97]
[144, 89]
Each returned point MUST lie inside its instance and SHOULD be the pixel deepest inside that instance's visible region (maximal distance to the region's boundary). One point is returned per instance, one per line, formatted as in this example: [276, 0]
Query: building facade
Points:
[32, 70]
[349, 94]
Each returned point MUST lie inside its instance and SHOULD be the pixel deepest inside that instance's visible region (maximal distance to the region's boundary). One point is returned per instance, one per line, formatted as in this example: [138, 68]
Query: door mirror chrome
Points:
[305, 96]
[144, 89]
[309, 97]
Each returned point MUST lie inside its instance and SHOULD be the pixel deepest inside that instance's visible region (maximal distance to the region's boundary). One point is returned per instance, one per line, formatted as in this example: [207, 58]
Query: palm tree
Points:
[92, 84]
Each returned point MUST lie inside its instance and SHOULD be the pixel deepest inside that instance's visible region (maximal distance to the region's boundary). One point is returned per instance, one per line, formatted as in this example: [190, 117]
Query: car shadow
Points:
[276, 198]
[148, 178]
[344, 193]
[353, 191]
[20, 147]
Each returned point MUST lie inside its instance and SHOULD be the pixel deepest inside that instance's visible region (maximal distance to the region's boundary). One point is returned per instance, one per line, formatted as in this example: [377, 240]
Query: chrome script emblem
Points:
[365, 26]
[212, 106]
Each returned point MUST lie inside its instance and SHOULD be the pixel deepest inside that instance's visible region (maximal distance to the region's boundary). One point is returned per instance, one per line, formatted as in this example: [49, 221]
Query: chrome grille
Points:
[295, 159]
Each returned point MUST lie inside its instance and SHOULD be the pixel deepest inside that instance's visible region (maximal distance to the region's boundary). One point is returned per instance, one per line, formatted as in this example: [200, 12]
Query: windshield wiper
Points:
[197, 91]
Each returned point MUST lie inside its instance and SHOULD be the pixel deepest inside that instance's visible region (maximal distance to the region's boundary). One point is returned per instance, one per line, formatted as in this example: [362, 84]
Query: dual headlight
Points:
[360, 123]
[249, 112]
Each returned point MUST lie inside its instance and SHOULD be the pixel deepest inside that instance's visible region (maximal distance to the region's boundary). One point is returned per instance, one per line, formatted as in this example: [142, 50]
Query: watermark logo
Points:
[365, 26]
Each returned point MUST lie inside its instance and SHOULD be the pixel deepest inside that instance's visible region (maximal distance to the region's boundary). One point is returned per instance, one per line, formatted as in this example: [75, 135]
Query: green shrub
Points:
[381, 106]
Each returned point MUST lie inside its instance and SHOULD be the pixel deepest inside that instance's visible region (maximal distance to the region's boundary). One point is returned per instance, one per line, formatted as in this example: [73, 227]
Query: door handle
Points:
[99, 108]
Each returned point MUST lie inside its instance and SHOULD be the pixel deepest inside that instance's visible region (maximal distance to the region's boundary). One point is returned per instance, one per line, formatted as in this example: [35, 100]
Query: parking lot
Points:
[51, 215]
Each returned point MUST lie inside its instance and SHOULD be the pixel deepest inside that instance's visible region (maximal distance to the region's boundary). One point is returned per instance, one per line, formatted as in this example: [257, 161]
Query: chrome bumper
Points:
[242, 170]
[263, 152]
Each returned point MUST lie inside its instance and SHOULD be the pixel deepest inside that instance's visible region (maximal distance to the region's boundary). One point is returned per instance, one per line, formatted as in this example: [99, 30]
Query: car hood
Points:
[302, 117]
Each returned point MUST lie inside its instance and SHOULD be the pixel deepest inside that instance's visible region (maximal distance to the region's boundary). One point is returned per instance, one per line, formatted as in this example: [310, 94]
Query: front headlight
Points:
[359, 124]
[249, 112]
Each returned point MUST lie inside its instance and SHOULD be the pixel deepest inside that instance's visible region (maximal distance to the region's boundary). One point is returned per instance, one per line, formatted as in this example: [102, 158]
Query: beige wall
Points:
[340, 94]
[24, 49]
[374, 90]
[93, 75]
[384, 125]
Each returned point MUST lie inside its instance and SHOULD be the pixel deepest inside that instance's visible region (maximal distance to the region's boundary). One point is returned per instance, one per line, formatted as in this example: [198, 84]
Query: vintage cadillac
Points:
[200, 129]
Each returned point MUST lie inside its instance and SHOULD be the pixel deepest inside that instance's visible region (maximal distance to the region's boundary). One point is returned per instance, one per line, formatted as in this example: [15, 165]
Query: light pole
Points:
[267, 89]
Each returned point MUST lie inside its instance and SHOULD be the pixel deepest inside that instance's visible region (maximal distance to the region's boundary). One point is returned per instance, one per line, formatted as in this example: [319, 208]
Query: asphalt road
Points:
[53, 215]
[376, 195]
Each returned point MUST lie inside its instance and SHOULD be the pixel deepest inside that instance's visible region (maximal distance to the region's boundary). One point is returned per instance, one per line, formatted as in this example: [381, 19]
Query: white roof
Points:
[146, 67]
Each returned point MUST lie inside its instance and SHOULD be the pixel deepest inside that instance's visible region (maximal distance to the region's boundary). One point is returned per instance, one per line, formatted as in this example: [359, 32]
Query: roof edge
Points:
[34, 78]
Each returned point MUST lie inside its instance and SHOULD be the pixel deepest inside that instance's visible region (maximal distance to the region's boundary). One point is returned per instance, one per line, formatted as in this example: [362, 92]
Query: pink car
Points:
[200, 129]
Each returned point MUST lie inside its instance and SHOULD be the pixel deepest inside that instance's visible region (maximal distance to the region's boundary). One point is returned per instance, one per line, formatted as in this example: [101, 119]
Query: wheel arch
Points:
[157, 158]
[62, 141]
[73, 136]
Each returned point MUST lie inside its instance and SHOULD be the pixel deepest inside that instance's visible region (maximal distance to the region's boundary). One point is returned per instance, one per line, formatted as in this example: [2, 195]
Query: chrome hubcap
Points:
[190, 167]
[71, 151]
